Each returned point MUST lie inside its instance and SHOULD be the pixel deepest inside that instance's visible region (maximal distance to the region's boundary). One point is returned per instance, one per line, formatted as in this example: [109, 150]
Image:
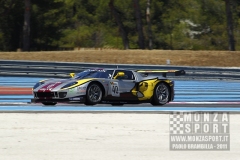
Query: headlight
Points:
[38, 84]
[69, 85]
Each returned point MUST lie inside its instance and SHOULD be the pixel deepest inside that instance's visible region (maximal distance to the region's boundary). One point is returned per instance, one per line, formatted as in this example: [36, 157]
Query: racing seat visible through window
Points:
[129, 75]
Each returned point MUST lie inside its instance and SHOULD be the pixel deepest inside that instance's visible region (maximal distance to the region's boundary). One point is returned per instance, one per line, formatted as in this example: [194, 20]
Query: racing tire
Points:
[161, 94]
[49, 103]
[94, 94]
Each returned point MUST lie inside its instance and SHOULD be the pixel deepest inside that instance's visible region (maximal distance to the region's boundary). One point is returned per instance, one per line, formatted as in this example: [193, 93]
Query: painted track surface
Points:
[189, 96]
[233, 108]
[103, 136]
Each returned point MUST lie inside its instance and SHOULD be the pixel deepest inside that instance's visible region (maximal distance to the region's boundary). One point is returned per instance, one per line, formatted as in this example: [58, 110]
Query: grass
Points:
[155, 57]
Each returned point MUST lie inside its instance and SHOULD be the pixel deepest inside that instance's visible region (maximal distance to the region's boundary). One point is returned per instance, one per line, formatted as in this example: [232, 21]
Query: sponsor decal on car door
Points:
[122, 89]
[114, 89]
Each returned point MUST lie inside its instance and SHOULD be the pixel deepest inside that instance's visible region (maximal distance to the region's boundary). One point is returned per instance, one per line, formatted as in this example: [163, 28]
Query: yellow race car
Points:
[109, 86]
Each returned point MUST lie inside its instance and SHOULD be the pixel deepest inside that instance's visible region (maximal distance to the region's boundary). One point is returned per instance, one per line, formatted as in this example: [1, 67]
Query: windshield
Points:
[94, 74]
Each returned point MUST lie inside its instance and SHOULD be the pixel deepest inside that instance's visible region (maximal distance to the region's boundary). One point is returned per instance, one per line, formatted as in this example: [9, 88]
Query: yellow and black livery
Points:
[111, 86]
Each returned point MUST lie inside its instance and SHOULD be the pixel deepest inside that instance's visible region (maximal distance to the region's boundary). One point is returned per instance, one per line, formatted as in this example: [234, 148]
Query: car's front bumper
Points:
[79, 99]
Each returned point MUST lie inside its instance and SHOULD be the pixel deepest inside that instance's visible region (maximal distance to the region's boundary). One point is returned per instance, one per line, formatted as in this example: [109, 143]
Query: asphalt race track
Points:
[104, 132]
[189, 96]
[142, 108]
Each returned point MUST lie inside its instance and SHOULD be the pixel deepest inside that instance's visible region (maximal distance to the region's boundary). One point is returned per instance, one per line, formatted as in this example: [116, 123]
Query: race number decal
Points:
[115, 89]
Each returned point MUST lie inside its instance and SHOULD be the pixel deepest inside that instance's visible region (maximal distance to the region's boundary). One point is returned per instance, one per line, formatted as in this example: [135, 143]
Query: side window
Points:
[116, 72]
[128, 75]
[110, 73]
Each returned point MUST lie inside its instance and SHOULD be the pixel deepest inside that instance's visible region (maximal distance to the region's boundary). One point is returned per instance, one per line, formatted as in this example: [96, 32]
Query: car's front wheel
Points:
[94, 94]
[49, 103]
[161, 94]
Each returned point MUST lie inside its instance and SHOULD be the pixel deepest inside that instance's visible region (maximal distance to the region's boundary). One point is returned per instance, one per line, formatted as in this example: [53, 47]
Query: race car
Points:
[108, 86]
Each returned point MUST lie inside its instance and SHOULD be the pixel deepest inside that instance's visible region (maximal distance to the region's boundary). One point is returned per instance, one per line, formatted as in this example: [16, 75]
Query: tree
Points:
[11, 20]
[48, 20]
[172, 24]
[167, 17]
[148, 19]
[209, 26]
[138, 16]
[26, 26]
[230, 31]
[122, 29]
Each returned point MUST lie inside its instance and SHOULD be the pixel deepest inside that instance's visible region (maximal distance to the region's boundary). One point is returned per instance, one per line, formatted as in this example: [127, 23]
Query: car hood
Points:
[57, 84]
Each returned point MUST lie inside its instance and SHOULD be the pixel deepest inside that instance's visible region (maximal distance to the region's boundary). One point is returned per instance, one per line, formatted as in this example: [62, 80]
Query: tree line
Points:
[33, 25]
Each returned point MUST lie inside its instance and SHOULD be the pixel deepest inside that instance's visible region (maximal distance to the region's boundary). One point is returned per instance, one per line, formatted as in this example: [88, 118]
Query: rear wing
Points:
[164, 73]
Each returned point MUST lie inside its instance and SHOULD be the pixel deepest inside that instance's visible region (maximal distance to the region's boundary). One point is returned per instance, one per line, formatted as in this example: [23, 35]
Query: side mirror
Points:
[119, 74]
[72, 75]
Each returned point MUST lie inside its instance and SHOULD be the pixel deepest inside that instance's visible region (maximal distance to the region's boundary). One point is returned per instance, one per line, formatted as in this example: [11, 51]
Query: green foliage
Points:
[83, 36]
[10, 15]
[47, 20]
[56, 24]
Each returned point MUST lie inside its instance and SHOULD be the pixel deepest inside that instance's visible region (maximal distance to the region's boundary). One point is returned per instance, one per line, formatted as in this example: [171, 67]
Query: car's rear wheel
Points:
[94, 94]
[49, 103]
[161, 94]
